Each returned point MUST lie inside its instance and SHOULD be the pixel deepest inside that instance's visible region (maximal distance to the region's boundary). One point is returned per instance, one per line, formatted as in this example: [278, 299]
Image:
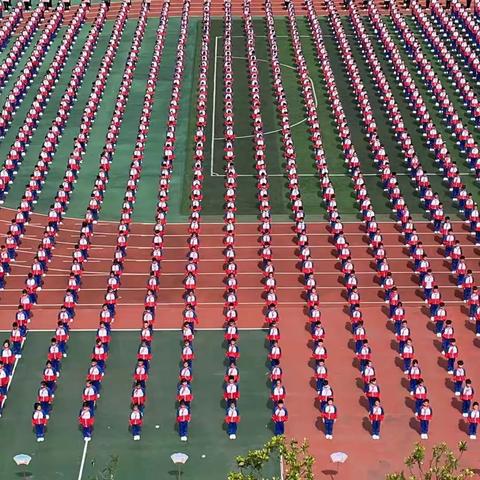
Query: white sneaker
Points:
[465, 415]
[375, 437]
[439, 335]
[450, 372]
[473, 437]
[457, 394]
[87, 439]
[424, 436]
[477, 334]
[233, 436]
[183, 439]
[136, 437]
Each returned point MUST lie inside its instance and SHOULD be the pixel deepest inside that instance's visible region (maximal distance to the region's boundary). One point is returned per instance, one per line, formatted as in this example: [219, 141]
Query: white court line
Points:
[280, 303]
[10, 379]
[82, 463]
[157, 329]
[219, 289]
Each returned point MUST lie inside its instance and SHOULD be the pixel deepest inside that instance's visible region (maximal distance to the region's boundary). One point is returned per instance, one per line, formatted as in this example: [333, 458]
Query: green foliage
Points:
[297, 461]
[109, 470]
[444, 464]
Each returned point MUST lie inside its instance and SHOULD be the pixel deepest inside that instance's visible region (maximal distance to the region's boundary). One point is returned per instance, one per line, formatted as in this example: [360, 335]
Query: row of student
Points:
[184, 395]
[441, 223]
[100, 350]
[274, 355]
[44, 253]
[447, 58]
[91, 394]
[362, 348]
[466, 21]
[231, 392]
[10, 22]
[423, 412]
[22, 41]
[22, 217]
[55, 131]
[434, 140]
[144, 353]
[450, 349]
[460, 44]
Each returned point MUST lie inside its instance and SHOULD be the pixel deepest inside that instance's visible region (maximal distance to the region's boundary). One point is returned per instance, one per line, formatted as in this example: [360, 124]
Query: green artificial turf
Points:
[214, 163]
[59, 456]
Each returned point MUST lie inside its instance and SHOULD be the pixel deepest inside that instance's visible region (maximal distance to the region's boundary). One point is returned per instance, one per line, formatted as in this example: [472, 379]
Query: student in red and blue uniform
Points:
[232, 418]
[45, 398]
[473, 421]
[135, 422]
[183, 419]
[7, 357]
[376, 417]
[279, 417]
[424, 416]
[50, 375]
[231, 392]
[329, 416]
[459, 376]
[39, 422]
[90, 395]
[95, 375]
[86, 419]
[466, 396]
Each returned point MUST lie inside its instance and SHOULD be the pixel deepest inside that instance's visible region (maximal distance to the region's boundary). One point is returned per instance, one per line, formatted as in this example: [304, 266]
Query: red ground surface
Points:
[368, 459]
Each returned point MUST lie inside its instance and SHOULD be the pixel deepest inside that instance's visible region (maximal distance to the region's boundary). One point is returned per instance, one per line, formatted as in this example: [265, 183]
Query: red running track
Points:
[351, 435]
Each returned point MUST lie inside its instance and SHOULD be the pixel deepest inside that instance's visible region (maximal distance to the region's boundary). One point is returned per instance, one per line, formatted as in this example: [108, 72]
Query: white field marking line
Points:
[202, 304]
[239, 222]
[213, 139]
[82, 463]
[301, 36]
[220, 288]
[345, 175]
[222, 274]
[78, 223]
[137, 274]
[255, 234]
[157, 329]
[10, 379]
[243, 247]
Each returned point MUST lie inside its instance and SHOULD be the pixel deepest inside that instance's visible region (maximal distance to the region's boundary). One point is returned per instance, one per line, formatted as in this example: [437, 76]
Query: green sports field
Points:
[245, 165]
[60, 455]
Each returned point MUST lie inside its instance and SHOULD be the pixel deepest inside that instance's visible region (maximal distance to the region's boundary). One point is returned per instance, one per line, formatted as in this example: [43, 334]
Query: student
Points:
[279, 417]
[473, 421]
[424, 416]
[86, 419]
[329, 416]
[39, 422]
[183, 419]
[136, 421]
[232, 418]
[466, 396]
[376, 416]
